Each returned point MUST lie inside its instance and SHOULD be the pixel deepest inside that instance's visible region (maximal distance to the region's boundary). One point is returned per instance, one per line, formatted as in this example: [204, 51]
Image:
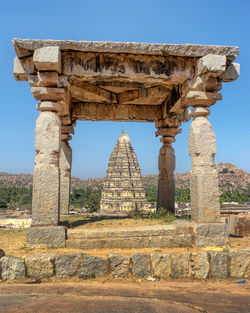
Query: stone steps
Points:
[160, 236]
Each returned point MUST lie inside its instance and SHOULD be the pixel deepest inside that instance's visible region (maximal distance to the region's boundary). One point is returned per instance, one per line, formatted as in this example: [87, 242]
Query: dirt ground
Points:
[126, 296]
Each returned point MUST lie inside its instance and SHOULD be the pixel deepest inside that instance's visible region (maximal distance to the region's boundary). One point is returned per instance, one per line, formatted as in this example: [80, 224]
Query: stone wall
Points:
[200, 265]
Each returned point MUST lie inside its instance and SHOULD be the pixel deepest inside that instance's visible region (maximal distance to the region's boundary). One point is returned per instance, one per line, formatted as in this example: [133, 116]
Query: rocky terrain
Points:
[15, 180]
[230, 177]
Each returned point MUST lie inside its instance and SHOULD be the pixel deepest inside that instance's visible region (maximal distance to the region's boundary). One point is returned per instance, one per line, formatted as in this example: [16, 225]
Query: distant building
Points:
[182, 209]
[123, 189]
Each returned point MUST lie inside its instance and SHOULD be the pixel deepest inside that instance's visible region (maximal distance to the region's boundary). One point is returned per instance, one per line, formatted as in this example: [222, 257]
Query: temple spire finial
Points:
[123, 131]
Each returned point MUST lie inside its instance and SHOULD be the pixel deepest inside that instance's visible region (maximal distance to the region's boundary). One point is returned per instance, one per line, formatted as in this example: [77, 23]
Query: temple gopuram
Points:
[123, 190]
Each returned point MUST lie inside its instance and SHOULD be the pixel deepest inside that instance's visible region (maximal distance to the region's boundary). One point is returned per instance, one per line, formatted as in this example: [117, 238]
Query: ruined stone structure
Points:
[123, 190]
[108, 81]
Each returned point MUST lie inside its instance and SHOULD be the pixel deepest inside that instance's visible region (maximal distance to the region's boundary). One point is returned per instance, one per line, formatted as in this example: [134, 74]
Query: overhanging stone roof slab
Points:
[124, 81]
[25, 47]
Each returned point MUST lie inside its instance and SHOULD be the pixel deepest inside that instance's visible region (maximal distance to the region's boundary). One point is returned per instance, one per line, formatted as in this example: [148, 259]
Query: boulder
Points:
[119, 265]
[66, 264]
[179, 264]
[92, 266]
[218, 264]
[40, 265]
[160, 265]
[12, 268]
[140, 264]
[200, 265]
[240, 264]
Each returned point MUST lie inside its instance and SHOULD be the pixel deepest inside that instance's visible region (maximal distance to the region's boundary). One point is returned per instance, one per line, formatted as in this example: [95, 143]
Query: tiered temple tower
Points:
[123, 190]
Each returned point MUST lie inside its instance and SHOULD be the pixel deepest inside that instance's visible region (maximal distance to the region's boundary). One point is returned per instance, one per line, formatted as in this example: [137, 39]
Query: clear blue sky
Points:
[223, 22]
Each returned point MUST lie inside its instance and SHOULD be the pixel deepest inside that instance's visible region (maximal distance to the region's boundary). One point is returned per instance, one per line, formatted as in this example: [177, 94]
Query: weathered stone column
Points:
[204, 187]
[168, 129]
[166, 183]
[46, 180]
[65, 163]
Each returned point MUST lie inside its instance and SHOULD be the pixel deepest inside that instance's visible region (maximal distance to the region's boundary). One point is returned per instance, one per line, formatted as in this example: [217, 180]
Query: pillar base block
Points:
[211, 234]
[45, 237]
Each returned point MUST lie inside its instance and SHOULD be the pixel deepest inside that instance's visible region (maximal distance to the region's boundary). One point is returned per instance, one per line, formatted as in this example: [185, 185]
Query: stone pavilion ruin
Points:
[123, 190]
[111, 81]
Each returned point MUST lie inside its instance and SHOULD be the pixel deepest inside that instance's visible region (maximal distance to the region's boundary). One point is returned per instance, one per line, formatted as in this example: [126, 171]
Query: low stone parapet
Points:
[178, 234]
[197, 265]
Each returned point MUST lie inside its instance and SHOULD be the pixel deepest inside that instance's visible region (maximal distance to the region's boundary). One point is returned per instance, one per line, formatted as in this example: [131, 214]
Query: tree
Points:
[3, 204]
[182, 195]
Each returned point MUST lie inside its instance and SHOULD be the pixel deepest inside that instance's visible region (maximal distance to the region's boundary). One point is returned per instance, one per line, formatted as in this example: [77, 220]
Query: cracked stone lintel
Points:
[25, 47]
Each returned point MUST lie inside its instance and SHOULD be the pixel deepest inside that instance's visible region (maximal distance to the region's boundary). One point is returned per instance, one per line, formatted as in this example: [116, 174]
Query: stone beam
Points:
[171, 105]
[23, 68]
[44, 79]
[194, 98]
[116, 112]
[48, 79]
[66, 120]
[48, 93]
[84, 91]
[118, 86]
[69, 129]
[136, 67]
[152, 95]
[25, 47]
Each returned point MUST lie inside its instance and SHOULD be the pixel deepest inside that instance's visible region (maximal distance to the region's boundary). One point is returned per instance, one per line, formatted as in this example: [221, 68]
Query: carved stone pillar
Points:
[46, 180]
[204, 186]
[45, 199]
[168, 129]
[204, 190]
[65, 175]
[166, 183]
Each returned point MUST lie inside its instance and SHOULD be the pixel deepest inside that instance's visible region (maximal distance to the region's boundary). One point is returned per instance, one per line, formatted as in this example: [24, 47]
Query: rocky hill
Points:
[15, 180]
[230, 177]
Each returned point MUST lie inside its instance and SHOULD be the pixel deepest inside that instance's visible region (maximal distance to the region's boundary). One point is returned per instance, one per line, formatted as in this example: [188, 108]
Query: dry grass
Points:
[119, 223]
[86, 222]
[12, 240]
